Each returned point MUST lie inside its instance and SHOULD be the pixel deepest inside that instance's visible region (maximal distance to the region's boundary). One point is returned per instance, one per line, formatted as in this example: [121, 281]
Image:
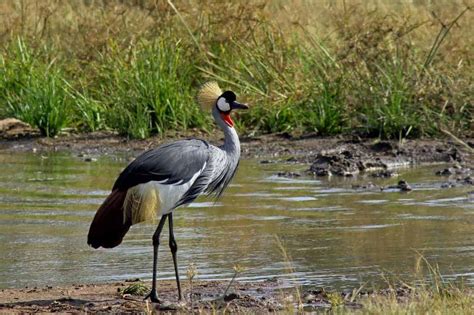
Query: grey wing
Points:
[174, 163]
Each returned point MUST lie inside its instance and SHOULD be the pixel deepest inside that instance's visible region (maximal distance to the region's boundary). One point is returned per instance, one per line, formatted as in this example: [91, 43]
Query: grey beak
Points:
[237, 105]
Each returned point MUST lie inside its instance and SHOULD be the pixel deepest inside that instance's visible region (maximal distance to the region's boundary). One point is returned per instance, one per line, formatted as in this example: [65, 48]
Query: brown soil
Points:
[257, 297]
[301, 149]
[207, 297]
[94, 298]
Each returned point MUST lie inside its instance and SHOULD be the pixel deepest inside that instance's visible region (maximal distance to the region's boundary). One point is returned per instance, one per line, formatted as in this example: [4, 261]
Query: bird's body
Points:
[162, 179]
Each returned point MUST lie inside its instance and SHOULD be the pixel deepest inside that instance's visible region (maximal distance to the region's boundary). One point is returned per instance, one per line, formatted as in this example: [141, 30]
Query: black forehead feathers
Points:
[229, 96]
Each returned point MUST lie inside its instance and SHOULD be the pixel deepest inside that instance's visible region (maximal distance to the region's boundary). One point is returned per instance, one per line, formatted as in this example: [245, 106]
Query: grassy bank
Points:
[371, 68]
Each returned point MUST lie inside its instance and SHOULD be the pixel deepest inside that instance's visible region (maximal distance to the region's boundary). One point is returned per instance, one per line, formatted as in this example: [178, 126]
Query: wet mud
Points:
[208, 297]
[343, 156]
[380, 159]
[205, 296]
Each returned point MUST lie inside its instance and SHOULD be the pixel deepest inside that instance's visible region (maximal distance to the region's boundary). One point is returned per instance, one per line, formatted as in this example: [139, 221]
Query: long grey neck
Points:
[231, 144]
[231, 141]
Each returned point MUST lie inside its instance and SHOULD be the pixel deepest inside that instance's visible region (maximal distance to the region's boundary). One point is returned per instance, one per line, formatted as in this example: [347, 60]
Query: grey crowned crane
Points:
[162, 179]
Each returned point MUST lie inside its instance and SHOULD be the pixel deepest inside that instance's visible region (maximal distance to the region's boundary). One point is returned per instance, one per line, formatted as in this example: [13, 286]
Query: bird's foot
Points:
[153, 296]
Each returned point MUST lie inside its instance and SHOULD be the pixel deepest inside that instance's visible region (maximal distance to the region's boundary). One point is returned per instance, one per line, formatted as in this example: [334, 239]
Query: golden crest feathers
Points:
[208, 94]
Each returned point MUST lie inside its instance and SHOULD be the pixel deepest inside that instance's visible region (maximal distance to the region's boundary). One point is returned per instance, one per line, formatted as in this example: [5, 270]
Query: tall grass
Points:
[374, 68]
[147, 89]
[33, 91]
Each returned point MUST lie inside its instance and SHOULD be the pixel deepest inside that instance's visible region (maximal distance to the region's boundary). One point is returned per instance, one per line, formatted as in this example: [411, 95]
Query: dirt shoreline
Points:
[127, 297]
[336, 156]
[207, 297]
[259, 297]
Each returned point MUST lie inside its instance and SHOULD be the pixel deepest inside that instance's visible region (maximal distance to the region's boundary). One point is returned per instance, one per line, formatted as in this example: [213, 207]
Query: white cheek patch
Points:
[223, 105]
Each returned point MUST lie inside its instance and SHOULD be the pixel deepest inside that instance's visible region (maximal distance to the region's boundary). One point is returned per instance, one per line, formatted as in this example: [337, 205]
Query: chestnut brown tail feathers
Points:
[108, 227]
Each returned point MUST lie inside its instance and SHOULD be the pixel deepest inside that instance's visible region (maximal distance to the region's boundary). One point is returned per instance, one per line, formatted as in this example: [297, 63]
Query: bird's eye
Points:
[222, 105]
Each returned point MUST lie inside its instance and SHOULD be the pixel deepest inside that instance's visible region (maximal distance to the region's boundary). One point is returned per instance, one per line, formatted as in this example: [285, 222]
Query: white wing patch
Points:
[153, 199]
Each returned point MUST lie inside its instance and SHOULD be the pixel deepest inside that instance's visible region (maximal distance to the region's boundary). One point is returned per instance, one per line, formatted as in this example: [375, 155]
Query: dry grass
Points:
[375, 67]
[429, 293]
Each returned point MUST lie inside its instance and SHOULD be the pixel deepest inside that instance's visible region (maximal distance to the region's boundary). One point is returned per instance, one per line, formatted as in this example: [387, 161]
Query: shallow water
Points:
[336, 236]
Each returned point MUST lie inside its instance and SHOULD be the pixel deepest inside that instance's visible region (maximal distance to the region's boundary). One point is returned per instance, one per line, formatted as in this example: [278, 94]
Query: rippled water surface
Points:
[337, 236]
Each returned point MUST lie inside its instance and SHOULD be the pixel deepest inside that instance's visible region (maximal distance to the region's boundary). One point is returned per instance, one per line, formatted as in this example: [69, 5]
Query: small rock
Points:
[468, 180]
[170, 306]
[309, 298]
[382, 146]
[317, 171]
[369, 185]
[448, 185]
[316, 291]
[403, 185]
[445, 172]
[288, 174]
[231, 296]
[285, 135]
[133, 280]
[457, 169]
[272, 279]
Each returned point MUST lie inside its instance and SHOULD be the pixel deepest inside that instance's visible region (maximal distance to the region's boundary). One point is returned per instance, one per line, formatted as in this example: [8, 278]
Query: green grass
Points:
[380, 69]
[34, 92]
[148, 88]
[136, 289]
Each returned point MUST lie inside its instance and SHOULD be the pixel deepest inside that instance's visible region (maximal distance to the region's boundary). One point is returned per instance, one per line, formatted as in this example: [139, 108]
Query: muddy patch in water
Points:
[381, 158]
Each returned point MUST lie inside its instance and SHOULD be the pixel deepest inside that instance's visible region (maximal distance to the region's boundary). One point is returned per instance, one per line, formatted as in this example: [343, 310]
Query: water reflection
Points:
[336, 236]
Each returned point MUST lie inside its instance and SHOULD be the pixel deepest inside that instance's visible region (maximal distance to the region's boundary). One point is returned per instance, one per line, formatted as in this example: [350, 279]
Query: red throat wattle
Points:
[227, 119]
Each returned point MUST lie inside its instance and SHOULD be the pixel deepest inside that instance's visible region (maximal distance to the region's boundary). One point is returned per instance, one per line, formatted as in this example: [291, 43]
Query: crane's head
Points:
[221, 103]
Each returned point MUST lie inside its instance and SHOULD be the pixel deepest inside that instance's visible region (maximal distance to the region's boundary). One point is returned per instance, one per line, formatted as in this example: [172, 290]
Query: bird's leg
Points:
[153, 296]
[174, 250]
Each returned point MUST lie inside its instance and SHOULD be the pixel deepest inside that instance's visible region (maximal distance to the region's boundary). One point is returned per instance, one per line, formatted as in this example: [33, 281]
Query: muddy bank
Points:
[304, 149]
[207, 297]
[127, 297]
[337, 156]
